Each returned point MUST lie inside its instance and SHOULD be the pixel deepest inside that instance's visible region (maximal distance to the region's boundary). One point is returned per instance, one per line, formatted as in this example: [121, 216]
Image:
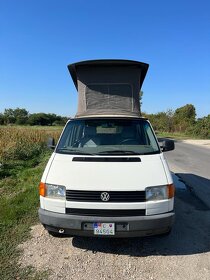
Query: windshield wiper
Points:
[116, 152]
[72, 152]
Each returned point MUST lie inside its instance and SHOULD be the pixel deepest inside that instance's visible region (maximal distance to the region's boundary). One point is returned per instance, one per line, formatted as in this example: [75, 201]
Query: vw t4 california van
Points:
[107, 175]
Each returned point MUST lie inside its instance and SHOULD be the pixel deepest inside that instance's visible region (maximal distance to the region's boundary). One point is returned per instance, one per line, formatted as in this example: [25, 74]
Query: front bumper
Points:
[124, 226]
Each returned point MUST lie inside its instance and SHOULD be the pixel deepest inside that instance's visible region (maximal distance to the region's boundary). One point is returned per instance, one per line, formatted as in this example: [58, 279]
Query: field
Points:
[175, 135]
[23, 155]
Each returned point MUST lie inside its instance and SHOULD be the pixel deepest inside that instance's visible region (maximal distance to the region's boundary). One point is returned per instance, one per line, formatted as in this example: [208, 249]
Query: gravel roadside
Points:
[203, 143]
[86, 258]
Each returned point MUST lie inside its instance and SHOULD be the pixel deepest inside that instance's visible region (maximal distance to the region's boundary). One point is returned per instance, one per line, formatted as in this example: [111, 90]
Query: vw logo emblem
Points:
[105, 196]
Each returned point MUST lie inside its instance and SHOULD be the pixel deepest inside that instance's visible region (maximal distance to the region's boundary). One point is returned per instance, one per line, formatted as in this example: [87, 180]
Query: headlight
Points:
[55, 191]
[159, 193]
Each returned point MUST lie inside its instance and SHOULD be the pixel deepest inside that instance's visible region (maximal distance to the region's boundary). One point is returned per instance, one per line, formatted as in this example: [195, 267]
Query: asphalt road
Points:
[192, 164]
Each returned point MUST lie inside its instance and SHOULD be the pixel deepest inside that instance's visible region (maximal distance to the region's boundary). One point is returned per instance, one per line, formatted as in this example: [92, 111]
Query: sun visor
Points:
[108, 87]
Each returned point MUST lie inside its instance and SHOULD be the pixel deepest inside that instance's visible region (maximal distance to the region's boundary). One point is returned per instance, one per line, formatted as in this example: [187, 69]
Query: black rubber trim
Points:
[107, 159]
[138, 225]
[105, 212]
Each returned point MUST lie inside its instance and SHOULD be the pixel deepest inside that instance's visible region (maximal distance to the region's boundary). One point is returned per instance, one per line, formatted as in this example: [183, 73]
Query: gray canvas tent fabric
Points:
[108, 87]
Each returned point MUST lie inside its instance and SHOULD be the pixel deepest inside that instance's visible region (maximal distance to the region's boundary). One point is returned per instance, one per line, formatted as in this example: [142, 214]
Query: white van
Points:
[107, 175]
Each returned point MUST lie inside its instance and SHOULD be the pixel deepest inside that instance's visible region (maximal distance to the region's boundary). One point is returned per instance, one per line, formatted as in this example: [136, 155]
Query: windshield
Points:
[108, 137]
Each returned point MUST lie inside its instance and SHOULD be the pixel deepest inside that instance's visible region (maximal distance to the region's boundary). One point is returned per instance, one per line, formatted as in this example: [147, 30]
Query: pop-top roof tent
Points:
[108, 87]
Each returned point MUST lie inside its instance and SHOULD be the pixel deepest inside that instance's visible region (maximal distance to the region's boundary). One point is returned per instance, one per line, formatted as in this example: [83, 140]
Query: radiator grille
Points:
[114, 196]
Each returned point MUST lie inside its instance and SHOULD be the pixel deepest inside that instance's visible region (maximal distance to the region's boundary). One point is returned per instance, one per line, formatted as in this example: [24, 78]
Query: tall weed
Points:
[22, 145]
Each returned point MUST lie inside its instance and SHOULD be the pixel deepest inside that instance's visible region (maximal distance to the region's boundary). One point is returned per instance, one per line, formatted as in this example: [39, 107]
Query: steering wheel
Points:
[128, 140]
[76, 144]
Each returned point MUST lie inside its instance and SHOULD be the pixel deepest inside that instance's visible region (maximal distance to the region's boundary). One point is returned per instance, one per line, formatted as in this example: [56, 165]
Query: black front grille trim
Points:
[115, 196]
[105, 212]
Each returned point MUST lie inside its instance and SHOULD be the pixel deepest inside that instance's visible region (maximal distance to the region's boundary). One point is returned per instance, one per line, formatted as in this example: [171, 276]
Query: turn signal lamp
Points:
[42, 189]
[171, 191]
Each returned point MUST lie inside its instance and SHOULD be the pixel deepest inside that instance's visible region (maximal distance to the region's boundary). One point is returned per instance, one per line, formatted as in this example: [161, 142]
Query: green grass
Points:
[19, 201]
[176, 135]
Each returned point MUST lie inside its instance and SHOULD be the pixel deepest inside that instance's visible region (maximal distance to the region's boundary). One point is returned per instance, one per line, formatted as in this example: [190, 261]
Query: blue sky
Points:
[39, 38]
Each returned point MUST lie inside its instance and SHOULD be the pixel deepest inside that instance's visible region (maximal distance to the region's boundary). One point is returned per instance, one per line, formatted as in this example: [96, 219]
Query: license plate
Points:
[104, 228]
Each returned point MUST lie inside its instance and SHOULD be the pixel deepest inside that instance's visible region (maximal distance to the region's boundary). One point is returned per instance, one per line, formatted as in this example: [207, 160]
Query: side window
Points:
[65, 139]
[143, 138]
[71, 135]
[76, 134]
[151, 137]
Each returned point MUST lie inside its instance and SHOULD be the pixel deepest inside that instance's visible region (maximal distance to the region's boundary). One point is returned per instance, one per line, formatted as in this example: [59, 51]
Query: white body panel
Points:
[107, 176]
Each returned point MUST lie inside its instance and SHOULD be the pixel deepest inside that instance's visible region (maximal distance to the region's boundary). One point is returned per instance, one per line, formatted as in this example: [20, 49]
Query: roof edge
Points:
[109, 116]
[107, 62]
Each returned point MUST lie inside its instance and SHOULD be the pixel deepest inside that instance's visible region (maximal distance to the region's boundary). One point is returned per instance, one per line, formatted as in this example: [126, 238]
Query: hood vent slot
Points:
[107, 159]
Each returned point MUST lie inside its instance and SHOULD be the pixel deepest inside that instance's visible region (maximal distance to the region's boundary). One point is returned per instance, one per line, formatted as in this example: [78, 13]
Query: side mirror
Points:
[51, 143]
[167, 145]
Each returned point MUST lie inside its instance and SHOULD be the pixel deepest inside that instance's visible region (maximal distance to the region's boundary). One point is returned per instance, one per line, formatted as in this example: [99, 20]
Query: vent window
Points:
[109, 96]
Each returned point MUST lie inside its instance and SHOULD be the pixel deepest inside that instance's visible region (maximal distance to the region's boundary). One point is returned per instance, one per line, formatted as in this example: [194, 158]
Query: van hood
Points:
[107, 176]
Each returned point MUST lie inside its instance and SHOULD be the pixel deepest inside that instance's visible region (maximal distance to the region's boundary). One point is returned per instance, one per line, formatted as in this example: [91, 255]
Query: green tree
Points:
[184, 117]
[170, 120]
[9, 116]
[201, 128]
[18, 116]
[2, 119]
[140, 98]
[51, 118]
[162, 121]
[46, 119]
[21, 115]
[38, 119]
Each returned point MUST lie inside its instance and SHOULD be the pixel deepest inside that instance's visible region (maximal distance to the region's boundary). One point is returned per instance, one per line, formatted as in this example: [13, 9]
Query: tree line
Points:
[21, 116]
[182, 120]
